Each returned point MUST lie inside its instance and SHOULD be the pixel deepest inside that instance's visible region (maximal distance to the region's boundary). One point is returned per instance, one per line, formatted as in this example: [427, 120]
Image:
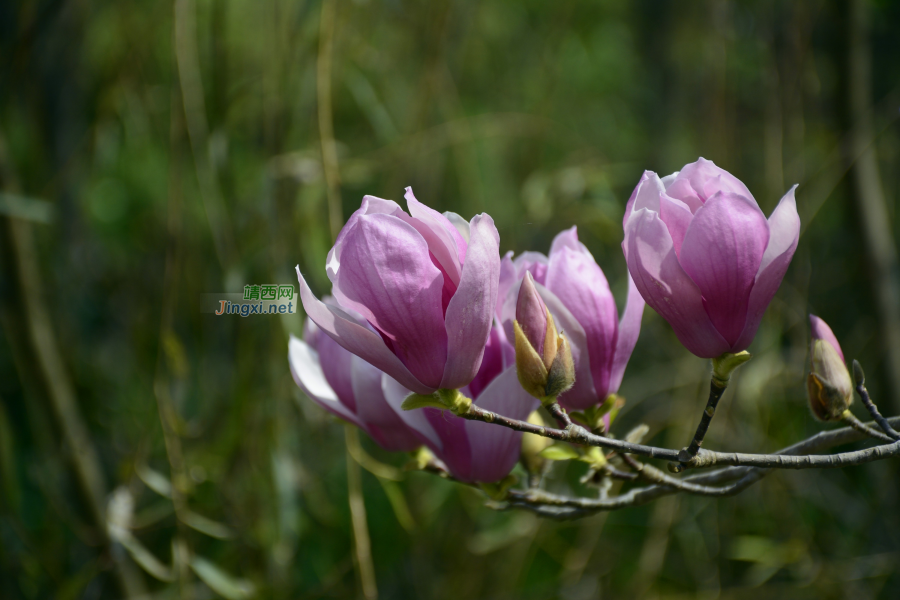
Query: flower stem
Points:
[723, 367]
[861, 427]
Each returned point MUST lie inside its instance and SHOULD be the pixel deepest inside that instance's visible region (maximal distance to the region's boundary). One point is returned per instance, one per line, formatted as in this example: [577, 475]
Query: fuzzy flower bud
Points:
[829, 386]
[544, 360]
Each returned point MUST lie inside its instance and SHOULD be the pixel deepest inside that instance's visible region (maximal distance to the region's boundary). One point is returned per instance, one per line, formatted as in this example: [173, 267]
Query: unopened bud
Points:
[828, 385]
[561, 376]
[531, 313]
[544, 360]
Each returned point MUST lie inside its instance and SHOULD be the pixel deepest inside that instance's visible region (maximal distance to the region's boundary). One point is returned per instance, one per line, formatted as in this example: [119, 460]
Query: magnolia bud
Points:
[828, 385]
[544, 360]
[531, 313]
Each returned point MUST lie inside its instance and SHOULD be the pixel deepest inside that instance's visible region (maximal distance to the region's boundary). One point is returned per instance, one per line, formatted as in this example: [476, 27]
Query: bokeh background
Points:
[154, 152]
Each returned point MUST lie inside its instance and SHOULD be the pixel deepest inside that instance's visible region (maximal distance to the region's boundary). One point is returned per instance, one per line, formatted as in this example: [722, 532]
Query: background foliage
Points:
[178, 147]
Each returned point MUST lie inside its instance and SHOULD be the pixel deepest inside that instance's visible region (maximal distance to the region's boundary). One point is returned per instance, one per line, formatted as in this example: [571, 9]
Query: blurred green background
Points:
[153, 152]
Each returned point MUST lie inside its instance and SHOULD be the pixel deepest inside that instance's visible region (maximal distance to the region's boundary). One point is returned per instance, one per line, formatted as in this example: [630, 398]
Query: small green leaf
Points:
[414, 401]
[593, 456]
[559, 452]
[580, 418]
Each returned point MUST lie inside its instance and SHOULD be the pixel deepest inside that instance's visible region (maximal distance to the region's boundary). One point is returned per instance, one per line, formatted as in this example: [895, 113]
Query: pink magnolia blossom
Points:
[705, 257]
[348, 387]
[426, 284]
[575, 290]
[473, 450]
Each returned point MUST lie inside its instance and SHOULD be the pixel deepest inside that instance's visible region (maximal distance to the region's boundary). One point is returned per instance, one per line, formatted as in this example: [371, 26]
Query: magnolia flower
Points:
[426, 282]
[829, 387]
[472, 450]
[703, 255]
[348, 387]
[575, 290]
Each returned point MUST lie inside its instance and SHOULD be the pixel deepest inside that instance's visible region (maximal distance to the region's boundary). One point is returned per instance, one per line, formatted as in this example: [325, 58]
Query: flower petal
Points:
[336, 366]
[677, 217]
[444, 240]
[386, 275]
[721, 253]
[494, 449]
[576, 279]
[456, 449]
[645, 195]
[371, 205]
[471, 310]
[306, 370]
[784, 233]
[652, 262]
[508, 279]
[492, 363]
[381, 422]
[629, 330]
[699, 181]
[534, 262]
[394, 395]
[362, 342]
[462, 226]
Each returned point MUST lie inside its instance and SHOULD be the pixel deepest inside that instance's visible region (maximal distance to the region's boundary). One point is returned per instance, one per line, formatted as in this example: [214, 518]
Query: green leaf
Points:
[414, 401]
[559, 452]
[221, 582]
[593, 456]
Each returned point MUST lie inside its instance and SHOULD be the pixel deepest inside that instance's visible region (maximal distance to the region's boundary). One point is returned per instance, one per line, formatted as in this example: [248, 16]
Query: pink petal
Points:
[394, 395]
[821, 331]
[701, 180]
[444, 240]
[386, 275]
[461, 225]
[534, 262]
[471, 310]
[492, 364]
[784, 228]
[677, 217]
[645, 195]
[456, 450]
[721, 253]
[380, 420]
[362, 342]
[508, 278]
[336, 365]
[494, 449]
[576, 279]
[306, 370]
[371, 205]
[652, 262]
[629, 330]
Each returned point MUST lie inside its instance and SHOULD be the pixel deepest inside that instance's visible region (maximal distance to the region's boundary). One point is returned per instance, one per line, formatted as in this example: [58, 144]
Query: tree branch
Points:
[705, 458]
[736, 478]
